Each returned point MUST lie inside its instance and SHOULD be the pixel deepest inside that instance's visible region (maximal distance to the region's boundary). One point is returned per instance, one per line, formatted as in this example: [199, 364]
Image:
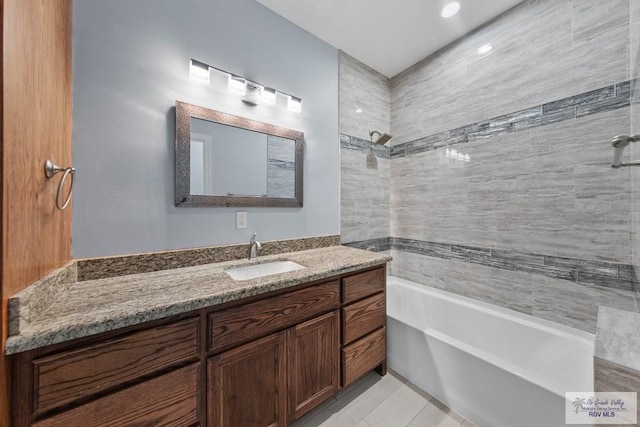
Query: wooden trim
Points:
[5, 379]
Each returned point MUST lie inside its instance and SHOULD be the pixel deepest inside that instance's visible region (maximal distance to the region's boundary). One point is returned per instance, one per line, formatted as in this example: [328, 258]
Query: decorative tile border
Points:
[358, 144]
[599, 273]
[101, 268]
[596, 101]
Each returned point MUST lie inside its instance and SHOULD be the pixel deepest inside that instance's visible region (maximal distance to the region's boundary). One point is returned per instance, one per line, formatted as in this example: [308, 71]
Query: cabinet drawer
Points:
[250, 321]
[362, 317]
[67, 376]
[170, 399]
[363, 355]
[363, 284]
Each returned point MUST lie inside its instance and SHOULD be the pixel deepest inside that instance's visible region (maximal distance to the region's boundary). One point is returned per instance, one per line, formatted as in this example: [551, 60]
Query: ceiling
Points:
[387, 35]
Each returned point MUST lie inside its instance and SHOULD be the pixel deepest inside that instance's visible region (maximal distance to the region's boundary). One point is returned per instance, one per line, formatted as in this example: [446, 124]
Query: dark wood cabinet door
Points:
[314, 362]
[246, 385]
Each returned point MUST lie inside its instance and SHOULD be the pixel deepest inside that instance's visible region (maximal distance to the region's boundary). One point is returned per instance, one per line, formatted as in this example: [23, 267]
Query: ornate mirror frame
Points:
[183, 197]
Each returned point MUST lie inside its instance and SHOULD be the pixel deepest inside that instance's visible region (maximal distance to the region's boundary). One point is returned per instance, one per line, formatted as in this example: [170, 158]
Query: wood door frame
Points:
[36, 88]
[5, 383]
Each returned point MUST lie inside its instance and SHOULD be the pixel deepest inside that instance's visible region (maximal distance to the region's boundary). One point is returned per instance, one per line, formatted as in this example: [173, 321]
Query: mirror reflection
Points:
[226, 160]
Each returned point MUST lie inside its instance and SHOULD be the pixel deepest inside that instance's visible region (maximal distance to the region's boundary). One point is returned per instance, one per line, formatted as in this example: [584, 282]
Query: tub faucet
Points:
[254, 248]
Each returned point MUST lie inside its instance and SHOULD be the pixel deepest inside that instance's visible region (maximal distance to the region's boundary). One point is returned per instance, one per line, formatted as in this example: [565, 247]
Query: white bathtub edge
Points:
[537, 322]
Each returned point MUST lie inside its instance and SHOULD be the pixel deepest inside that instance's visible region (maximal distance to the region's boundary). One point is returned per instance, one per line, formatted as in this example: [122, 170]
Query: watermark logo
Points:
[609, 407]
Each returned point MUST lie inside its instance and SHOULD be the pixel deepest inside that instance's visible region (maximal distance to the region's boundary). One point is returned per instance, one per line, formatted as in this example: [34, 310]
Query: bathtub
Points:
[494, 366]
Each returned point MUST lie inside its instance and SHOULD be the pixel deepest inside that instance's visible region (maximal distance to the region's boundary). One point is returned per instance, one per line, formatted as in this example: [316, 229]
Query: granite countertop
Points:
[101, 305]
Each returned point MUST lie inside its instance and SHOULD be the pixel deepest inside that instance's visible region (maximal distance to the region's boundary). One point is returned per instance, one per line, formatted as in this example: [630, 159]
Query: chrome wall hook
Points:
[50, 170]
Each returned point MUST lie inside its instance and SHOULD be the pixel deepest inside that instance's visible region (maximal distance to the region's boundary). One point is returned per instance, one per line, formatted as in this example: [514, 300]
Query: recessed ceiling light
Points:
[450, 9]
[358, 110]
[485, 48]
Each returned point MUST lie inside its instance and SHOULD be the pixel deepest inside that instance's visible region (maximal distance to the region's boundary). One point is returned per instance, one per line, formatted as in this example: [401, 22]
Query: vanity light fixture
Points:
[268, 96]
[199, 71]
[294, 104]
[252, 93]
[237, 85]
[450, 9]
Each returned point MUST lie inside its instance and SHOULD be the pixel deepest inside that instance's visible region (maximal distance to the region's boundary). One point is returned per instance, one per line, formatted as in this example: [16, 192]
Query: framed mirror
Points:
[227, 160]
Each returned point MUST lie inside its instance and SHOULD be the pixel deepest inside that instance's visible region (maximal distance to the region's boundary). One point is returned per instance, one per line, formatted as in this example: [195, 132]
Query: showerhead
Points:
[383, 138]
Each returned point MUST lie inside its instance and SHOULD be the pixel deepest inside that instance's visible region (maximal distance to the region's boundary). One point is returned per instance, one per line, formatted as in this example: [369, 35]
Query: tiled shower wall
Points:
[364, 168]
[501, 187]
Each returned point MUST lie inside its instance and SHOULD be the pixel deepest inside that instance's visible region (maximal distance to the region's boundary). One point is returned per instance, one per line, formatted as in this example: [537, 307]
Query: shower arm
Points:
[618, 143]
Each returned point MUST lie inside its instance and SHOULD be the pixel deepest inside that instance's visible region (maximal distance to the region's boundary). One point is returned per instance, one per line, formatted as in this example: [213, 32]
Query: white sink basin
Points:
[260, 270]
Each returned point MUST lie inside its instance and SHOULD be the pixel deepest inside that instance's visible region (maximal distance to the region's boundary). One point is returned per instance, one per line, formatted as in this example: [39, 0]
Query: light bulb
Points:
[253, 94]
[199, 72]
[237, 85]
[268, 96]
[295, 104]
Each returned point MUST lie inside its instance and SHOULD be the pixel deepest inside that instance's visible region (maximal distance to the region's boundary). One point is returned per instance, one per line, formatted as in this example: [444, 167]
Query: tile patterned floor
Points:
[389, 401]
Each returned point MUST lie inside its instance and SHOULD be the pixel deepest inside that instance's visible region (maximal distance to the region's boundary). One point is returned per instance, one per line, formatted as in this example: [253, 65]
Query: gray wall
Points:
[131, 65]
[364, 169]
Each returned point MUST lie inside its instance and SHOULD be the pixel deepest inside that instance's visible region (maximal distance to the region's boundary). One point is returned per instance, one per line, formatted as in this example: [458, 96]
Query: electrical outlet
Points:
[241, 220]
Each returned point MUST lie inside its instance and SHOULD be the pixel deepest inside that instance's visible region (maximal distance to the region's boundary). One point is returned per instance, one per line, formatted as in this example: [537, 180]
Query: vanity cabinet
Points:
[169, 399]
[363, 324]
[273, 380]
[263, 361]
[246, 385]
[144, 376]
[314, 363]
[278, 378]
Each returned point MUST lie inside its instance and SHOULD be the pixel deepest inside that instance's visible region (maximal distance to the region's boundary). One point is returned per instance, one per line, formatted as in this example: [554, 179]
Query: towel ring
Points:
[50, 170]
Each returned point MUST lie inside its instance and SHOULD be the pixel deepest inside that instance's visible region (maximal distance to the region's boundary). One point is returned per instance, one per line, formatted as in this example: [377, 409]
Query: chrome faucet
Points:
[254, 248]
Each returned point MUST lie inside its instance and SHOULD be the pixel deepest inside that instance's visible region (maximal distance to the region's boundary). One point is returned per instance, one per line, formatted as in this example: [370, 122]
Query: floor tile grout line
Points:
[430, 400]
[419, 412]
[397, 376]
[404, 381]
